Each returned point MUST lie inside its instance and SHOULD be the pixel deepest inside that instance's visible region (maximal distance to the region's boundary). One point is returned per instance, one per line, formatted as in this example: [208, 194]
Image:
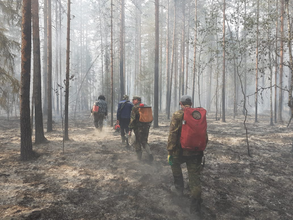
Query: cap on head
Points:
[185, 100]
[125, 97]
[136, 97]
[102, 97]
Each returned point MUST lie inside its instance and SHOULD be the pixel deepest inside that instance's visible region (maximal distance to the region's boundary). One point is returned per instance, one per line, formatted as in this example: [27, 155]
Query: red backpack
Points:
[95, 108]
[194, 129]
[145, 113]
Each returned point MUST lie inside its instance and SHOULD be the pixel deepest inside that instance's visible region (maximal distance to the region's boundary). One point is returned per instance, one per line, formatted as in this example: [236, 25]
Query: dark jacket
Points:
[124, 109]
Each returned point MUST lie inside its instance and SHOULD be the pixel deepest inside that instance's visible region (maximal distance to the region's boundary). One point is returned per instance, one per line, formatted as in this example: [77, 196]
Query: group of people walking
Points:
[186, 141]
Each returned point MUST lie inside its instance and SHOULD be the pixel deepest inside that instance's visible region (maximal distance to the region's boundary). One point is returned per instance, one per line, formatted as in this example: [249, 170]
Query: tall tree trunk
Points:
[112, 78]
[167, 60]
[289, 44]
[194, 52]
[137, 13]
[256, 60]
[66, 136]
[37, 83]
[172, 61]
[281, 64]
[209, 87]
[102, 50]
[235, 88]
[198, 79]
[176, 75]
[187, 50]
[56, 58]
[45, 61]
[217, 86]
[245, 60]
[224, 66]
[60, 60]
[183, 49]
[139, 45]
[156, 77]
[271, 72]
[276, 64]
[161, 63]
[122, 89]
[49, 69]
[26, 151]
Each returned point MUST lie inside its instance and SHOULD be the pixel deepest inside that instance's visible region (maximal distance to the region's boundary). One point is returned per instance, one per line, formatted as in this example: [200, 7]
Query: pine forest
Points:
[60, 58]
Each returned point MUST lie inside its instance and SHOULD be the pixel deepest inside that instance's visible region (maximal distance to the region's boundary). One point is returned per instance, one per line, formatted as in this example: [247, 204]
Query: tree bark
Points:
[276, 65]
[49, 69]
[37, 87]
[271, 73]
[45, 61]
[224, 67]
[56, 58]
[289, 44]
[112, 87]
[122, 89]
[187, 50]
[156, 77]
[281, 65]
[183, 49]
[194, 52]
[26, 151]
[66, 136]
[167, 60]
[256, 60]
[172, 62]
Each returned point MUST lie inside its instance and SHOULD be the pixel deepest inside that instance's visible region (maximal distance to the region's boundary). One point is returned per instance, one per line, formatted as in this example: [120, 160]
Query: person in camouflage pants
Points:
[178, 156]
[141, 130]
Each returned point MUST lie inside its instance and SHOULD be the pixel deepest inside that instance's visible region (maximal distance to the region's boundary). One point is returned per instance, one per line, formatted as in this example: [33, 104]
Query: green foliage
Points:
[8, 47]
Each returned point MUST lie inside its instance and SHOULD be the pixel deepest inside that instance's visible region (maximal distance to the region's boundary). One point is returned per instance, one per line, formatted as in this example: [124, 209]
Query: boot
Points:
[123, 139]
[178, 182]
[195, 208]
[178, 187]
[127, 143]
[138, 155]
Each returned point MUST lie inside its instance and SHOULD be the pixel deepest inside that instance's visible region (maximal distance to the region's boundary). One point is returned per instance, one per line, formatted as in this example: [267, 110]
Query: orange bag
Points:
[95, 108]
[145, 113]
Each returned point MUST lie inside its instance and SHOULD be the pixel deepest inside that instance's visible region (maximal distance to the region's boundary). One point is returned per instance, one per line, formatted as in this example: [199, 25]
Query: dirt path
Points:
[98, 178]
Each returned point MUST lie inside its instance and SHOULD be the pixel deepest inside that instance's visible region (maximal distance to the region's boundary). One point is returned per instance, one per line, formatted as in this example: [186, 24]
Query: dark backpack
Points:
[194, 129]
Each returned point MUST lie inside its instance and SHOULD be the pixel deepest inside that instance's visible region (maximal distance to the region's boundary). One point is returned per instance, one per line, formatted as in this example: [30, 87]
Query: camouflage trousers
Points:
[141, 138]
[98, 120]
[193, 164]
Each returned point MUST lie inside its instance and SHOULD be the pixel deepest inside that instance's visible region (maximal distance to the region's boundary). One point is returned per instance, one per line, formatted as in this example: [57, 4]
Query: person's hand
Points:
[170, 159]
[129, 133]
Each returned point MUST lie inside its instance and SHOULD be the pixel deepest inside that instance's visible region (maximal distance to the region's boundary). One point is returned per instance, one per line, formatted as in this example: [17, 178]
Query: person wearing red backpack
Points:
[186, 145]
[140, 124]
[100, 111]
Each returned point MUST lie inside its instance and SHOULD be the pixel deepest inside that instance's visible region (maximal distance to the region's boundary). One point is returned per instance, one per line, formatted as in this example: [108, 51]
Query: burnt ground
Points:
[98, 178]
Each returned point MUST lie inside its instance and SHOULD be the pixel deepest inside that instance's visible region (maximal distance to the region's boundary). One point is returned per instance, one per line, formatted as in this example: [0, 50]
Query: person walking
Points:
[141, 127]
[100, 112]
[123, 117]
[178, 154]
